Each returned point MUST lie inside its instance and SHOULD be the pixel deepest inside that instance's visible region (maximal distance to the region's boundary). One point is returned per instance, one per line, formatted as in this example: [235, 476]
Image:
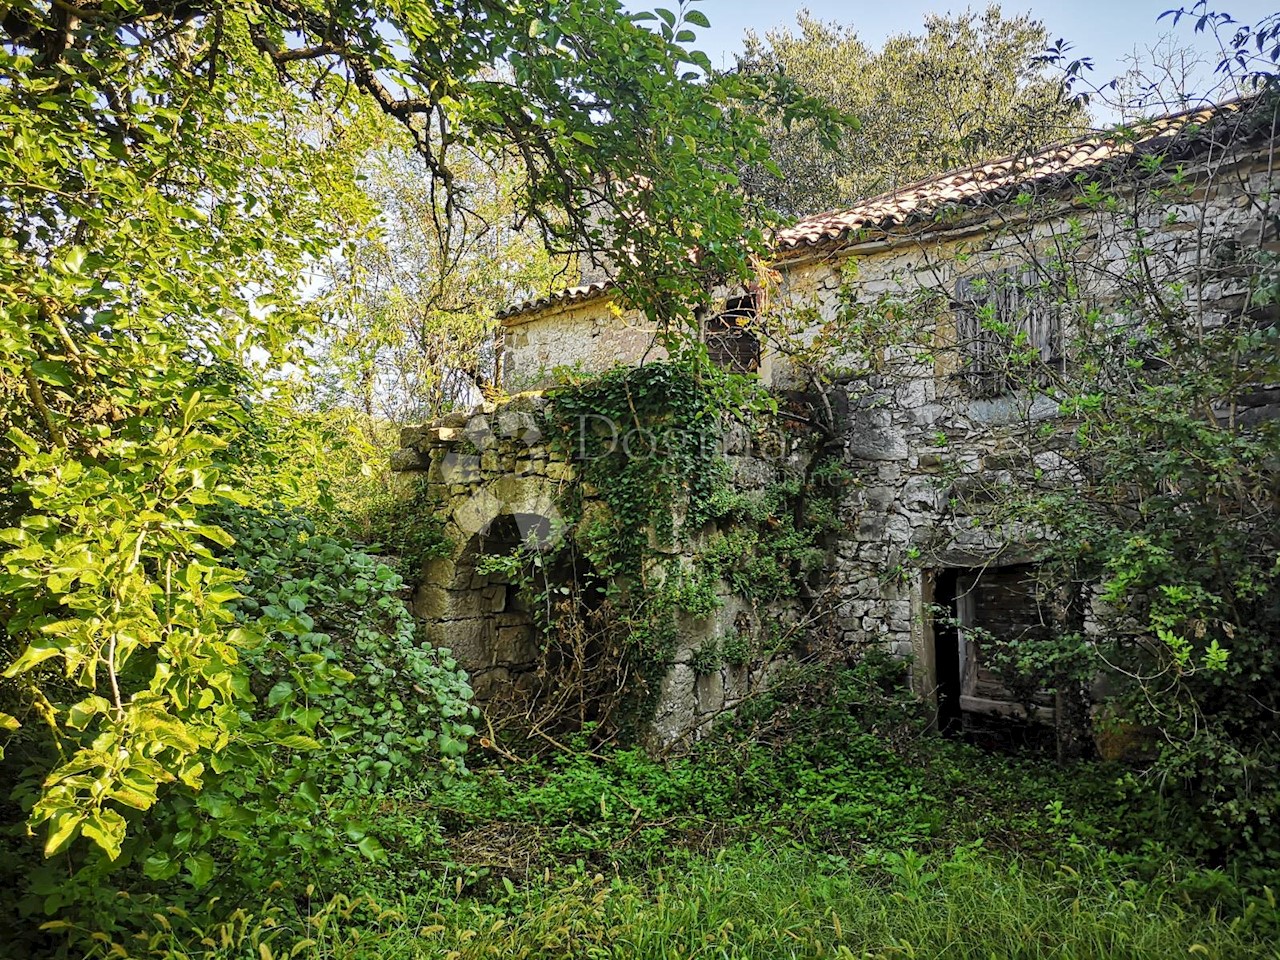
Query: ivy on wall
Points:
[656, 529]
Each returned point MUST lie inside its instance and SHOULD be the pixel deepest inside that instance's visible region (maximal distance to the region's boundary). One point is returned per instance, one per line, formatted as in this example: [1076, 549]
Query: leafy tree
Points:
[171, 173]
[412, 306]
[964, 91]
[158, 208]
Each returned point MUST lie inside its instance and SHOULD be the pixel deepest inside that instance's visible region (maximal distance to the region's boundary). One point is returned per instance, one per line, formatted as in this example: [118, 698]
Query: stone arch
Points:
[481, 615]
[488, 621]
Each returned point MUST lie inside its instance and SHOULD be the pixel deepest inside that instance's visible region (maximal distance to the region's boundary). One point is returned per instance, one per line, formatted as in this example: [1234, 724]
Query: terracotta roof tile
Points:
[1000, 180]
[588, 291]
[997, 181]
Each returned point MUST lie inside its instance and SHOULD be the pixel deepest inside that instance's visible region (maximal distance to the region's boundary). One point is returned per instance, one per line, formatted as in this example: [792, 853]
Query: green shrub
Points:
[343, 703]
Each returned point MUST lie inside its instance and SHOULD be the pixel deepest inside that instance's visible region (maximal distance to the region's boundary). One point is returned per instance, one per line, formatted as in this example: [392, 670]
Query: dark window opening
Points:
[731, 337]
[1006, 324]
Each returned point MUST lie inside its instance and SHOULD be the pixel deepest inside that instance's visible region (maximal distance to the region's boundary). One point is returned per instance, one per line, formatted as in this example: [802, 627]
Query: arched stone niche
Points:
[482, 615]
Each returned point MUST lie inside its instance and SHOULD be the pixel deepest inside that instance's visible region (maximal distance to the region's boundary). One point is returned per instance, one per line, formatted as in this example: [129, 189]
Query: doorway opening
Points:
[974, 609]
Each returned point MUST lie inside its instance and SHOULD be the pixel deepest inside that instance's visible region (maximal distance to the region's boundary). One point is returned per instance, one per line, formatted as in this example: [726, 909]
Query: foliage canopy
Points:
[172, 171]
[964, 91]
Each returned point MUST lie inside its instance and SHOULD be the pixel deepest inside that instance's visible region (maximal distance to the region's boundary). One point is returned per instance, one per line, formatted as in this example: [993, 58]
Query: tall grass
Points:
[749, 904]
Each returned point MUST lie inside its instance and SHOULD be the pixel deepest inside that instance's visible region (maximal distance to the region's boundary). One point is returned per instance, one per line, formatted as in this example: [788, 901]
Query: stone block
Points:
[514, 645]
[413, 436]
[931, 462]
[872, 435]
[676, 711]
[558, 470]
[736, 440]
[470, 641]
[489, 683]
[409, 460]
[430, 602]
[493, 597]
[709, 689]
[879, 497]
[751, 473]
[736, 683]
[920, 494]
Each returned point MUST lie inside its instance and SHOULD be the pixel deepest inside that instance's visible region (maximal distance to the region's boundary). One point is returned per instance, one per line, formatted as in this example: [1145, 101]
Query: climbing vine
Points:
[657, 532]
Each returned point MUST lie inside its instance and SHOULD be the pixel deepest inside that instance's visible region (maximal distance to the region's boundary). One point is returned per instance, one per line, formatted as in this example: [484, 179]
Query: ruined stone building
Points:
[902, 316]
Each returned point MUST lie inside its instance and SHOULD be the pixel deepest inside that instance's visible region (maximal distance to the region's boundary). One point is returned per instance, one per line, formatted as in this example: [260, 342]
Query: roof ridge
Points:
[1097, 135]
[988, 181]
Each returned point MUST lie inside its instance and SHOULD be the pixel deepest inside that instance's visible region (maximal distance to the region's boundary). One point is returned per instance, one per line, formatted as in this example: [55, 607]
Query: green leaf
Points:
[372, 849]
[36, 653]
[297, 741]
[189, 407]
[200, 867]
[216, 534]
[697, 18]
[74, 259]
[280, 693]
[159, 866]
[52, 371]
[79, 715]
[63, 828]
[309, 792]
[106, 828]
[23, 442]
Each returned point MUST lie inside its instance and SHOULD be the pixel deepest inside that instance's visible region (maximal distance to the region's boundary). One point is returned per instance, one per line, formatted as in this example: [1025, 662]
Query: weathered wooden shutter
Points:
[1016, 304]
[985, 350]
[1038, 317]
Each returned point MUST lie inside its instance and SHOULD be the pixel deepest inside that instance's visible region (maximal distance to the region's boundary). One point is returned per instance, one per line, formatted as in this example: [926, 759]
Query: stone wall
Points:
[587, 337]
[920, 445]
[500, 484]
[917, 442]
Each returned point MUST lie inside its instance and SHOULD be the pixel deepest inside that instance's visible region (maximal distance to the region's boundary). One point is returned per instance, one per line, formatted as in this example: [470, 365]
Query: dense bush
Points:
[342, 702]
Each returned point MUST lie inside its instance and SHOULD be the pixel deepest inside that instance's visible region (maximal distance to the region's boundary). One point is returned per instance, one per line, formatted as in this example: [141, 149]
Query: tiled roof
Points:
[587, 291]
[1001, 180]
[1180, 135]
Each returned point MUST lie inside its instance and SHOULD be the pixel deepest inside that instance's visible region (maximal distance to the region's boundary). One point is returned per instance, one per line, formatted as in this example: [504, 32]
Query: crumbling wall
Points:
[499, 482]
[589, 337]
[922, 449]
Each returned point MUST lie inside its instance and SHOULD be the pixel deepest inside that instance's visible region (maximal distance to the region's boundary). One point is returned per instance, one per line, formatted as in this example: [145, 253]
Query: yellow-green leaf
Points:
[106, 829]
[37, 652]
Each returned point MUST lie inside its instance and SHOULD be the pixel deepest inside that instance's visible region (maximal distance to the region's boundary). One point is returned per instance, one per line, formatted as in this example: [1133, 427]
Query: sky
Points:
[1105, 30]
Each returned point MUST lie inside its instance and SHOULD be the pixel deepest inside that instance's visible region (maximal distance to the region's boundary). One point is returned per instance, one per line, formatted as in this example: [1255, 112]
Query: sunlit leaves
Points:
[170, 182]
[133, 280]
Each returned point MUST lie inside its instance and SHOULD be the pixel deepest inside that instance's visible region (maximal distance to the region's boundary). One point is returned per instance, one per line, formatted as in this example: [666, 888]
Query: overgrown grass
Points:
[748, 903]
[828, 824]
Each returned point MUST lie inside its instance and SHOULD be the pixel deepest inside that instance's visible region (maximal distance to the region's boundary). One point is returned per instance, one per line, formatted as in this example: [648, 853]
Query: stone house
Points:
[931, 323]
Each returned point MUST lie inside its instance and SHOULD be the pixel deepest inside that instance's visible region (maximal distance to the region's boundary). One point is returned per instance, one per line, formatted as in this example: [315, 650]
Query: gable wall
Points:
[589, 337]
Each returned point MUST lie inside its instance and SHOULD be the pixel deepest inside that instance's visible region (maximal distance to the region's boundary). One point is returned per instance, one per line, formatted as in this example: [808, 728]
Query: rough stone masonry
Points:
[920, 440]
